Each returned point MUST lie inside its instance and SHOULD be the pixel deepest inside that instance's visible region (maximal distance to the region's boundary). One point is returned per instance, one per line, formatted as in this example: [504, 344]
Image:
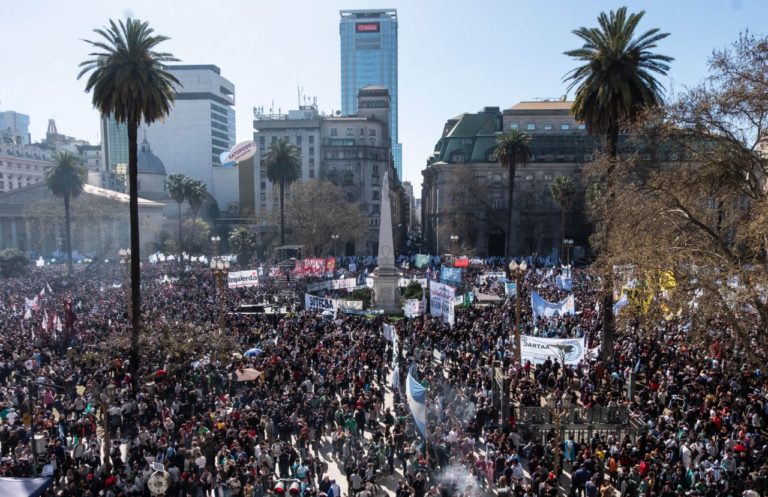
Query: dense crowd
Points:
[321, 403]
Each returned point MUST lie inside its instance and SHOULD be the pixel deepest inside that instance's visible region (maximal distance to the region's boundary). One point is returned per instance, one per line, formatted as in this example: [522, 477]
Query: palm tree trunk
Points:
[609, 322]
[282, 212]
[133, 128]
[68, 229]
[181, 264]
[510, 195]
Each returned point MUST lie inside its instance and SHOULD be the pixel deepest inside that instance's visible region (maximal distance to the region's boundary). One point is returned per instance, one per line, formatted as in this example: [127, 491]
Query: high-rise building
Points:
[369, 58]
[200, 126]
[14, 127]
[352, 152]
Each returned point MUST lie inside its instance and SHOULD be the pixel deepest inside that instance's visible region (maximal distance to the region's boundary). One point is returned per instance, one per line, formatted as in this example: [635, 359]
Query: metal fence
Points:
[580, 434]
[575, 415]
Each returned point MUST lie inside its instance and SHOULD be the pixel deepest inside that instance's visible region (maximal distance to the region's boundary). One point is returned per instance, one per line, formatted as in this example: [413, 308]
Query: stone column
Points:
[14, 234]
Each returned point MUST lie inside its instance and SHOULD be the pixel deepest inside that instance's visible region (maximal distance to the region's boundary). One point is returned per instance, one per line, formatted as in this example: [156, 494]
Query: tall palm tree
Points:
[130, 83]
[66, 180]
[177, 185]
[197, 193]
[613, 86]
[563, 190]
[283, 164]
[512, 150]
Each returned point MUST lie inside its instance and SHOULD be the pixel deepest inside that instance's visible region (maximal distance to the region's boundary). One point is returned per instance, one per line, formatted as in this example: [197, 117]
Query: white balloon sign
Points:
[240, 152]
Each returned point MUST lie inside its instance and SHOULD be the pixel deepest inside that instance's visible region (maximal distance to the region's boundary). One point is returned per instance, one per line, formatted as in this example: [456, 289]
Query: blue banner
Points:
[450, 275]
[510, 289]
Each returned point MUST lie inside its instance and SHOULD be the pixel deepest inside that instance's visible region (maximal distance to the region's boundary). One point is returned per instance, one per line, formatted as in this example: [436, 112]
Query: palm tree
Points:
[613, 86]
[562, 190]
[130, 83]
[177, 186]
[283, 163]
[512, 149]
[66, 180]
[197, 193]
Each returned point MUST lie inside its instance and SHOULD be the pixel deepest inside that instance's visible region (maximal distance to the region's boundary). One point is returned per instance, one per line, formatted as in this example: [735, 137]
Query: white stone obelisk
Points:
[386, 277]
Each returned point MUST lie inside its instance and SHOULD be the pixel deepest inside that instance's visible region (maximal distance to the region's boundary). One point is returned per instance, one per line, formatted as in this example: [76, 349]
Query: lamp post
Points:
[215, 240]
[125, 261]
[335, 239]
[567, 245]
[220, 269]
[518, 270]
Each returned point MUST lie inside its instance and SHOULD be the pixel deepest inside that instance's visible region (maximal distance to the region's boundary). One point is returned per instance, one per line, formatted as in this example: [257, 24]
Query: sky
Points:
[454, 56]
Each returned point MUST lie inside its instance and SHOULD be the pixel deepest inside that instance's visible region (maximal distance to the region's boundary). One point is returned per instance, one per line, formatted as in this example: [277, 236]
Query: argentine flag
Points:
[417, 400]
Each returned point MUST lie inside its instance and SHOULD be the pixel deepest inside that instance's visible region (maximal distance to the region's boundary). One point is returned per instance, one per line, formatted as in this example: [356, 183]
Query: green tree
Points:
[283, 164]
[177, 186]
[512, 149]
[65, 180]
[615, 84]
[413, 291]
[197, 194]
[563, 191]
[245, 243]
[130, 83]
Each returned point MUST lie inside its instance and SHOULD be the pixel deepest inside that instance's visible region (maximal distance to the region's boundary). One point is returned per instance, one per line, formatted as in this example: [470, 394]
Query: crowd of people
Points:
[320, 415]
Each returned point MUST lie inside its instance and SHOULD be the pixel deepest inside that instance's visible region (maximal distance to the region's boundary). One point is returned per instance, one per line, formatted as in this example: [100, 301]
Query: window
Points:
[311, 150]
[311, 162]
[274, 139]
[530, 127]
[514, 126]
[547, 127]
[547, 177]
[362, 131]
[497, 202]
[311, 173]
[334, 132]
[565, 126]
[263, 197]
[374, 171]
[350, 132]
[372, 132]
[263, 185]
[497, 177]
[298, 141]
[312, 139]
[371, 141]
[582, 126]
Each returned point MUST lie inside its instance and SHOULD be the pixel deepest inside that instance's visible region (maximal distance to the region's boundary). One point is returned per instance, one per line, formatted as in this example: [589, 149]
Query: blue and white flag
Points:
[450, 275]
[396, 379]
[510, 289]
[564, 283]
[623, 301]
[417, 401]
[541, 307]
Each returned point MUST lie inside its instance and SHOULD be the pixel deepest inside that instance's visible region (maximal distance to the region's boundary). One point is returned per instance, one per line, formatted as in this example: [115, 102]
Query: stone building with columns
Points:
[32, 220]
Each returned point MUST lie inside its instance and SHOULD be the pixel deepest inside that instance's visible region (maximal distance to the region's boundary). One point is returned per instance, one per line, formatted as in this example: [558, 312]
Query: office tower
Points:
[200, 126]
[369, 58]
[14, 127]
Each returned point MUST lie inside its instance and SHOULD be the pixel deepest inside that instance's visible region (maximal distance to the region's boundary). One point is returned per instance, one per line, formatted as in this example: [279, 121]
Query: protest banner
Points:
[541, 307]
[538, 350]
[243, 279]
[315, 304]
[414, 308]
[441, 300]
[450, 275]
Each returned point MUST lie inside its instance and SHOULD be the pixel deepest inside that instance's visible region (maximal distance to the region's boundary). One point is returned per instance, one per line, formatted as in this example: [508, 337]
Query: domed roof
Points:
[149, 163]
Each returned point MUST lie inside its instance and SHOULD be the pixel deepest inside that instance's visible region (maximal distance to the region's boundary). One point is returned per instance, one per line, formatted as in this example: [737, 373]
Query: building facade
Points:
[199, 128]
[369, 58]
[465, 190]
[14, 127]
[22, 165]
[31, 219]
[353, 152]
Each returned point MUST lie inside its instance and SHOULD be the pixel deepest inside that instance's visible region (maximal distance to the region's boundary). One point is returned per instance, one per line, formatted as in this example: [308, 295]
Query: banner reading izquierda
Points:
[242, 279]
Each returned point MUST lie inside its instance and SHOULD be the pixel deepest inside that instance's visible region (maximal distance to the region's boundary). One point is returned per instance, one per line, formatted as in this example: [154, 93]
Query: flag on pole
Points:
[389, 330]
[417, 401]
[29, 306]
[45, 321]
[48, 287]
[42, 292]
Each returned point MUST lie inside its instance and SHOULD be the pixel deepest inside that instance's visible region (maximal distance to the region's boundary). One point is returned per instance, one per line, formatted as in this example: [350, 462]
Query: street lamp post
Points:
[220, 270]
[215, 240]
[335, 239]
[518, 270]
[125, 261]
[567, 245]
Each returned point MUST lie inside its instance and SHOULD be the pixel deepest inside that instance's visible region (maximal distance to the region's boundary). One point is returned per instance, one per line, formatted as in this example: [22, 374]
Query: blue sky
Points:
[455, 56]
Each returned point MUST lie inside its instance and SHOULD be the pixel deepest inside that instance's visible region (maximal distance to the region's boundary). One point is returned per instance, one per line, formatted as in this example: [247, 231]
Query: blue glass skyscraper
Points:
[369, 57]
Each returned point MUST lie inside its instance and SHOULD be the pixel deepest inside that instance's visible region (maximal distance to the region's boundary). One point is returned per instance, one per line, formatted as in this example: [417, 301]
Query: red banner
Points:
[317, 268]
[461, 263]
